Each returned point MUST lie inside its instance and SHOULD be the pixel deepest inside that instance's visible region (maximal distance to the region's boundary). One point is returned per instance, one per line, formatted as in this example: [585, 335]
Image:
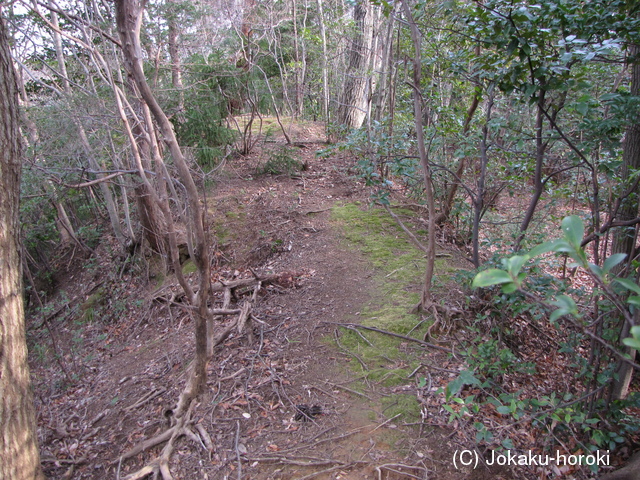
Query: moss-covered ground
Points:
[399, 268]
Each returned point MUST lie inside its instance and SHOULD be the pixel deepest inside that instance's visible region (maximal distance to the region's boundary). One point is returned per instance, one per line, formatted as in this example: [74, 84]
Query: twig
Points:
[325, 440]
[348, 352]
[331, 469]
[355, 392]
[301, 461]
[238, 450]
[398, 465]
[384, 423]
[412, 237]
[385, 332]
[147, 398]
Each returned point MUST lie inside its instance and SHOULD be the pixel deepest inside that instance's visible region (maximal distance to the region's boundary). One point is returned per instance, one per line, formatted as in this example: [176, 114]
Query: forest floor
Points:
[126, 341]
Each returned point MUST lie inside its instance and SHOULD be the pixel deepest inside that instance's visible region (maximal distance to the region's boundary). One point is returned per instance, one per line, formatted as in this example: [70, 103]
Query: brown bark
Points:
[129, 20]
[352, 108]
[538, 183]
[624, 238]
[462, 163]
[19, 456]
[176, 65]
[425, 301]
[325, 72]
[86, 146]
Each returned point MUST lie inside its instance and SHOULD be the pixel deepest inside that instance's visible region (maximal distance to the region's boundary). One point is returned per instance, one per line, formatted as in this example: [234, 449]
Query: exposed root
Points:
[160, 465]
[180, 416]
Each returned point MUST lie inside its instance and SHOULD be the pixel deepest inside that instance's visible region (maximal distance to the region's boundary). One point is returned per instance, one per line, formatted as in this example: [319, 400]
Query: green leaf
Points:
[504, 410]
[582, 108]
[469, 378]
[597, 271]
[507, 443]
[573, 229]
[634, 300]
[509, 287]
[550, 246]
[515, 263]
[612, 261]
[635, 341]
[632, 342]
[628, 284]
[492, 276]
[566, 306]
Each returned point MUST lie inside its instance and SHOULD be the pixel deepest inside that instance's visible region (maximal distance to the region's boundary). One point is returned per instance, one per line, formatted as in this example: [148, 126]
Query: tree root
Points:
[160, 465]
[180, 416]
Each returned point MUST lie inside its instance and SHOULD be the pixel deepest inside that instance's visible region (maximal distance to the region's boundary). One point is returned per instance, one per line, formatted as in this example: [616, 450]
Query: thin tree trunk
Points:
[129, 20]
[538, 185]
[386, 69]
[325, 73]
[425, 300]
[86, 146]
[174, 56]
[478, 201]
[19, 456]
[462, 163]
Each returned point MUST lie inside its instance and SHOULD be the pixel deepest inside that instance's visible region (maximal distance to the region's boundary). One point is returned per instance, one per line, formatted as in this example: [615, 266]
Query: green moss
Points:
[89, 307]
[407, 406]
[189, 267]
[398, 277]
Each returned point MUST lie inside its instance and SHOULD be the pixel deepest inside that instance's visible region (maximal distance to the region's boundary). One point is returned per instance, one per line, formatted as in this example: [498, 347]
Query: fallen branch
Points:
[346, 389]
[411, 235]
[147, 398]
[397, 335]
[331, 469]
[300, 461]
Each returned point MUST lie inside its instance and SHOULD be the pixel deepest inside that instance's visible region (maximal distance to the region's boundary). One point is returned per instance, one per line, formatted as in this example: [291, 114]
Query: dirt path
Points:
[132, 370]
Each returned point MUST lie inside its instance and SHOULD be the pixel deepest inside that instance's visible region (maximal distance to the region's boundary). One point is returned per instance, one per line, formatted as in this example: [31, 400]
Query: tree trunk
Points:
[478, 201]
[174, 56]
[129, 20]
[325, 72]
[86, 146]
[19, 456]
[538, 185]
[425, 300]
[353, 101]
[624, 238]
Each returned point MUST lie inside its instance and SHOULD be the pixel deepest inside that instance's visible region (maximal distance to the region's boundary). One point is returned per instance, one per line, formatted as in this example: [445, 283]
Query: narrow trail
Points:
[134, 369]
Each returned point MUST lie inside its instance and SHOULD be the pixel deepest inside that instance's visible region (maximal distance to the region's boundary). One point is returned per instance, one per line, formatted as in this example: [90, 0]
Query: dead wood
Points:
[385, 332]
[282, 279]
[409, 233]
[347, 389]
[146, 398]
[331, 469]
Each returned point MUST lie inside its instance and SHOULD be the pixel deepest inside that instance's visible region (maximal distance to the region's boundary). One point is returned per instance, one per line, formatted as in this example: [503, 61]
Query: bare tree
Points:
[19, 456]
[425, 300]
